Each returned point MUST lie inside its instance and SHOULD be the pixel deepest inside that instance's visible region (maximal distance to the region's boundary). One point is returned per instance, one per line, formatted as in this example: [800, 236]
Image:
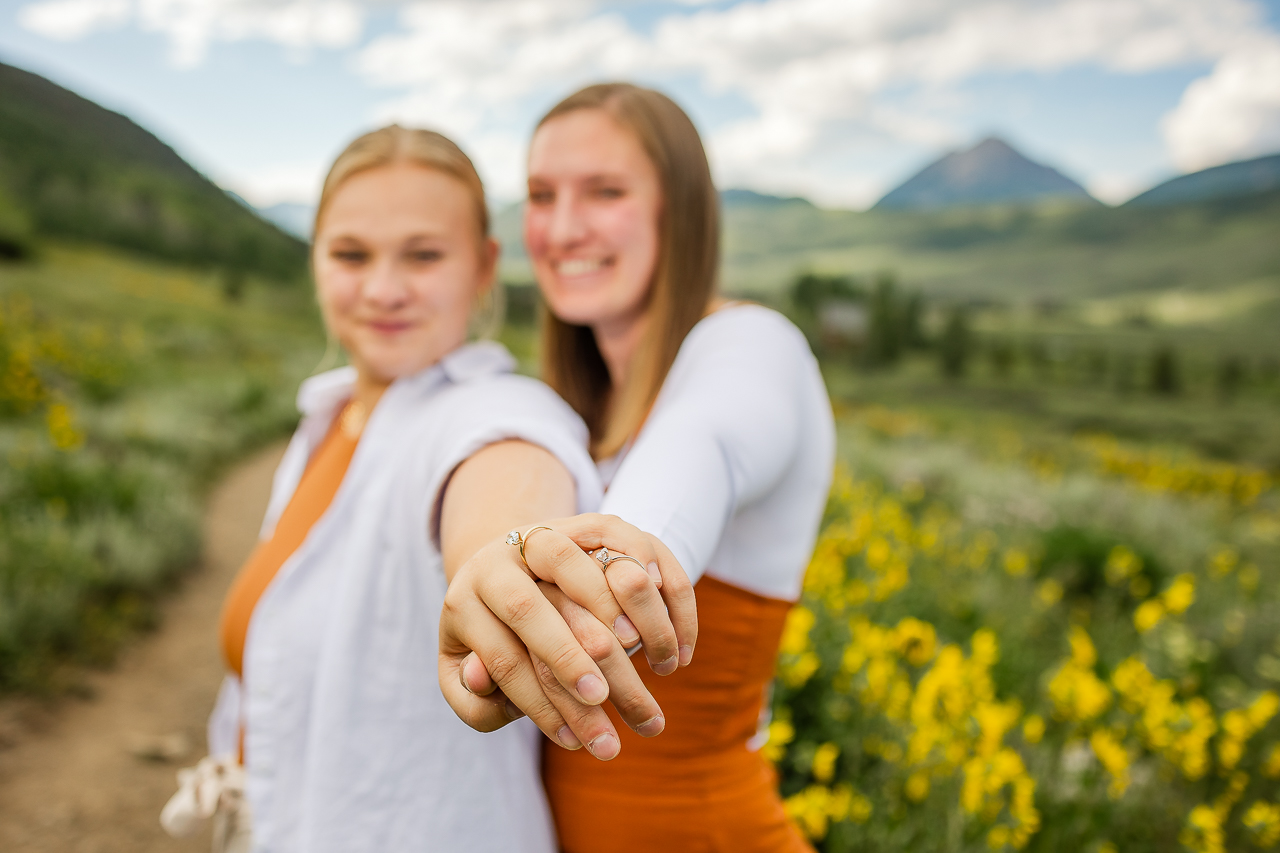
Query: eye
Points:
[349, 257]
[424, 256]
[541, 196]
[608, 193]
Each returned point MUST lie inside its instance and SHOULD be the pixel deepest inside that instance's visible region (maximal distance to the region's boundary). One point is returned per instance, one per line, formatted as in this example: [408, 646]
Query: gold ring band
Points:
[525, 539]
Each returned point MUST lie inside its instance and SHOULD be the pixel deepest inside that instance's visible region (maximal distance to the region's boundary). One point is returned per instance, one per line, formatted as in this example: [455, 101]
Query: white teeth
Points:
[579, 266]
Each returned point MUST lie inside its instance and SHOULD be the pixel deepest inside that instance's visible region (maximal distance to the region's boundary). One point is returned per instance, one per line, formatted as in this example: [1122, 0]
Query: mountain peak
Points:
[991, 172]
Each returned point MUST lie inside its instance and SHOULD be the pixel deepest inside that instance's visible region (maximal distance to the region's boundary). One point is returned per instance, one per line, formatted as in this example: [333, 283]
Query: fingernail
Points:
[513, 712]
[686, 655]
[654, 573]
[605, 747]
[625, 631]
[592, 690]
[667, 666]
[568, 739]
[652, 727]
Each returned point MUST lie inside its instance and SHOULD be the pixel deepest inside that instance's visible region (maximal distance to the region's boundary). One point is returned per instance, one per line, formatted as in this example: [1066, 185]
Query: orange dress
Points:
[319, 483]
[695, 788]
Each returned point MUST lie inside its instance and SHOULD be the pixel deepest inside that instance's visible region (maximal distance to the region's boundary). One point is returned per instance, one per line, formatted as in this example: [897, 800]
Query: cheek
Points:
[535, 233]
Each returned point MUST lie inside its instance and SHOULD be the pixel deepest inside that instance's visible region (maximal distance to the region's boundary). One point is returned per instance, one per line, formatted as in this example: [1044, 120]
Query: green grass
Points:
[125, 386]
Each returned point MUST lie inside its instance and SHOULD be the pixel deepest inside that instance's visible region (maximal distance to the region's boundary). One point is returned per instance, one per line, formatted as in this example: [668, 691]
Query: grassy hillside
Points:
[125, 385]
[1057, 253]
[71, 169]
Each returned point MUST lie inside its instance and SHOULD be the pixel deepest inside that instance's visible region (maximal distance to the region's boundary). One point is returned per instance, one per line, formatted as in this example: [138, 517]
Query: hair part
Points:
[394, 145]
[684, 276]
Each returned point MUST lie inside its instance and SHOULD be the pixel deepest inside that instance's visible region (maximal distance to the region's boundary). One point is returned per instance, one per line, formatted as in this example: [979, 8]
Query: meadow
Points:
[126, 385]
[1019, 638]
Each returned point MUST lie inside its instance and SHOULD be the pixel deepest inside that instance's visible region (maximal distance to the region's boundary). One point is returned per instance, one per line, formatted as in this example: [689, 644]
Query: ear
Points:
[489, 253]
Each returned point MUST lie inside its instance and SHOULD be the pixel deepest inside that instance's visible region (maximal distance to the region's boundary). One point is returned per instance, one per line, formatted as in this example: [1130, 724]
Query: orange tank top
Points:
[319, 483]
[695, 788]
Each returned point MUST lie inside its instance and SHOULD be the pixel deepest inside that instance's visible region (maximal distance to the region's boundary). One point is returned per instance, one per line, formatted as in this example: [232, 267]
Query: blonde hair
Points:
[684, 276]
[393, 145]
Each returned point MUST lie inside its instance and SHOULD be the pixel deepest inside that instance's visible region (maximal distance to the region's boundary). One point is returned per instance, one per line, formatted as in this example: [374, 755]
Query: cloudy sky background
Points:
[838, 100]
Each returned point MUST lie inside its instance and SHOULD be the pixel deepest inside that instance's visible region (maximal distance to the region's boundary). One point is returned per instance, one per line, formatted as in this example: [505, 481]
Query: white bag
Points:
[214, 788]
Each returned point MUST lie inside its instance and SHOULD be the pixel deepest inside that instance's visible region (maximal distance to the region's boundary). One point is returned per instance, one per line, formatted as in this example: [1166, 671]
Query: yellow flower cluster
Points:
[1078, 695]
[1160, 471]
[1180, 731]
[817, 806]
[1263, 822]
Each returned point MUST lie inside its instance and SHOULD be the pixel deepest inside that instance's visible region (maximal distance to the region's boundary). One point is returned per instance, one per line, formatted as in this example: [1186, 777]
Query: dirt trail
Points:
[68, 778]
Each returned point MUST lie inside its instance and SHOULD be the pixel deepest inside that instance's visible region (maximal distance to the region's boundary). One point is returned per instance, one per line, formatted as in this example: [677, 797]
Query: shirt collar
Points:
[326, 391]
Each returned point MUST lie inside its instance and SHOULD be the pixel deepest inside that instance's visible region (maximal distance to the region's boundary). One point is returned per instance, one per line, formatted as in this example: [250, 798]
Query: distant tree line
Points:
[873, 323]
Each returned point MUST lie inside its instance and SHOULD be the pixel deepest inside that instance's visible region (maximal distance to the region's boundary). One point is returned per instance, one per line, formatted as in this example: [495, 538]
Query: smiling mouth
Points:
[388, 327]
[582, 266]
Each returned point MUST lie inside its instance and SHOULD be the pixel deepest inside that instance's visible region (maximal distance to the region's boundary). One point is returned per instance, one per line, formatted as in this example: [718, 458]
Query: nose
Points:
[568, 225]
[385, 286]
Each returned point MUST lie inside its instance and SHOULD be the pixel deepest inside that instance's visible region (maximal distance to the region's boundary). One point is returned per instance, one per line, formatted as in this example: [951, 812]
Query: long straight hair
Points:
[684, 277]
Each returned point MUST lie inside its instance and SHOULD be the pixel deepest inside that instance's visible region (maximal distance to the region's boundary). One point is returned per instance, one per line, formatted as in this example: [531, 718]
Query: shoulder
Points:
[749, 325]
[744, 336]
[507, 397]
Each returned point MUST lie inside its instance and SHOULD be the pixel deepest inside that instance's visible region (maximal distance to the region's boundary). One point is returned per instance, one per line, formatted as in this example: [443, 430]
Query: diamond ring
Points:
[605, 557]
[515, 538]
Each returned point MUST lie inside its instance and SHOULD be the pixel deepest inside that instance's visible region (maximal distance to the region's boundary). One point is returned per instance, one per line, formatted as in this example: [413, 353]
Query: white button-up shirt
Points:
[350, 745]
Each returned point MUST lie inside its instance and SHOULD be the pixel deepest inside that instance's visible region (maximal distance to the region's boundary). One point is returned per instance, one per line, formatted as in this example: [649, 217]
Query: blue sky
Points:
[838, 100]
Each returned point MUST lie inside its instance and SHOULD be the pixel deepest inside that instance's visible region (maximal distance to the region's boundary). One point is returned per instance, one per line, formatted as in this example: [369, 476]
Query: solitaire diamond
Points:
[513, 538]
[603, 555]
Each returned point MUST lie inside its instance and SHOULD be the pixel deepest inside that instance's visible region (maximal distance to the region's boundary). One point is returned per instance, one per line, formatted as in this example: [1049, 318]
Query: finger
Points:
[682, 604]
[644, 605]
[521, 608]
[475, 677]
[593, 530]
[584, 724]
[556, 558]
[627, 692]
[507, 661]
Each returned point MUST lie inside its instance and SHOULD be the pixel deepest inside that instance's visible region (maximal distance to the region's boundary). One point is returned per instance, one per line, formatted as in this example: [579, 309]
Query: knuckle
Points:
[520, 607]
[546, 677]
[503, 666]
[565, 659]
[597, 645]
[628, 581]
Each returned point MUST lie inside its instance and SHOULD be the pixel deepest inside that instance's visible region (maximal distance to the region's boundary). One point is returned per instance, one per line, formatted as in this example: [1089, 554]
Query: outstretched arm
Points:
[495, 607]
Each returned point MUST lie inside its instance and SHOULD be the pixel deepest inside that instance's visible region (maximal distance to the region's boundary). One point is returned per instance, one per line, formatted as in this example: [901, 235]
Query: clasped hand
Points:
[548, 636]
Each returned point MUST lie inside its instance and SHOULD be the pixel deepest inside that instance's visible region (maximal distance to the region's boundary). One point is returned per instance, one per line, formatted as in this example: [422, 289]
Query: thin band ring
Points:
[519, 540]
[605, 558]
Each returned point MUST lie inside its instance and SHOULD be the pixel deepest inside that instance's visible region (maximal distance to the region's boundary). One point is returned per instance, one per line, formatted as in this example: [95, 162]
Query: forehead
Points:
[400, 196]
[584, 143]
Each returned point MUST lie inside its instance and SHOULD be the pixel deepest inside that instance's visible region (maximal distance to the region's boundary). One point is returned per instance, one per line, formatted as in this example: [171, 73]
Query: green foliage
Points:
[1166, 377]
[955, 345]
[124, 387]
[83, 172]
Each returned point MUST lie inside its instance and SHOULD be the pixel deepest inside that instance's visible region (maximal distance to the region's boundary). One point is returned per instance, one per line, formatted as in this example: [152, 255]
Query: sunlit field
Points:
[1016, 640]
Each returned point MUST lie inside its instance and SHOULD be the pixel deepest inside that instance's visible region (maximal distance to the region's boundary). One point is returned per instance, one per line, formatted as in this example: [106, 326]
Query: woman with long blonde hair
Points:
[712, 431]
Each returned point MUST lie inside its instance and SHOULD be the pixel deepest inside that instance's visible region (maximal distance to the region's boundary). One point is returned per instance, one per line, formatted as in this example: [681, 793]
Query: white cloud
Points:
[68, 20]
[279, 182]
[1233, 113]
[192, 25]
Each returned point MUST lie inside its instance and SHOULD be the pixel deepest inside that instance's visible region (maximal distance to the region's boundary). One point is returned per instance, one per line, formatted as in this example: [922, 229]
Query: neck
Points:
[368, 391]
[618, 342]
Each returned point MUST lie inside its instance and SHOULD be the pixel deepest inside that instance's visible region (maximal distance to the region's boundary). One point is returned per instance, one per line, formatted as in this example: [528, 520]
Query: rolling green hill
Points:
[70, 169]
[1231, 179]
[1047, 254]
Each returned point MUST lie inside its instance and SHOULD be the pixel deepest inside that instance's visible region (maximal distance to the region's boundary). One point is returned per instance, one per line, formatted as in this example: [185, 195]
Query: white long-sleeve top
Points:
[732, 467]
[349, 743]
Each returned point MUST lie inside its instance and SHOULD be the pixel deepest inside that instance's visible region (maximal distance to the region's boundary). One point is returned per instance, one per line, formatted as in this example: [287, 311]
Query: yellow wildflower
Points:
[1016, 562]
[1271, 766]
[781, 733]
[1148, 615]
[1049, 593]
[1223, 562]
[1114, 758]
[916, 641]
[1122, 564]
[1263, 822]
[62, 428]
[1180, 595]
[824, 761]
[1203, 831]
[1033, 728]
[917, 787]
